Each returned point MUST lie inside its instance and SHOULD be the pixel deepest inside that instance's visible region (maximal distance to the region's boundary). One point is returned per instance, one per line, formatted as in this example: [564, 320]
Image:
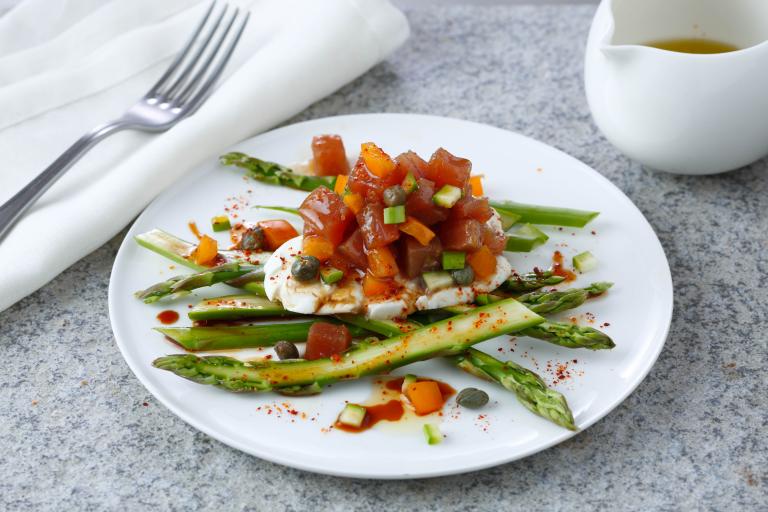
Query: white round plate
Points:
[295, 432]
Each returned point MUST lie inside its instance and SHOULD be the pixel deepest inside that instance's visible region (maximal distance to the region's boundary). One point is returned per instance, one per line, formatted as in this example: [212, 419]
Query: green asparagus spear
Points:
[570, 335]
[182, 285]
[548, 215]
[178, 250]
[242, 336]
[510, 211]
[545, 302]
[238, 307]
[522, 283]
[563, 334]
[532, 392]
[450, 336]
[276, 174]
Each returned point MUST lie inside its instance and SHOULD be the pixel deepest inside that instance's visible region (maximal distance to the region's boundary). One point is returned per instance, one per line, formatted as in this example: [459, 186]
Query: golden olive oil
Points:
[693, 45]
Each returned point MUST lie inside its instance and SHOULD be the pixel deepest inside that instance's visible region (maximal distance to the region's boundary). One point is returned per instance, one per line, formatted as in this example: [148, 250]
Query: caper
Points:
[252, 239]
[395, 196]
[472, 398]
[286, 350]
[464, 276]
[305, 268]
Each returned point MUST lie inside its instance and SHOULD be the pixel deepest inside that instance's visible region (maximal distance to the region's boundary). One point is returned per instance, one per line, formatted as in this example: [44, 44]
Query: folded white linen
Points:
[68, 66]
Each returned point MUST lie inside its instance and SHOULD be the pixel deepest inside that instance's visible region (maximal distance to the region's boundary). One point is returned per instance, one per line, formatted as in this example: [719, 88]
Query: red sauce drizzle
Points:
[391, 410]
[168, 317]
[388, 411]
[559, 270]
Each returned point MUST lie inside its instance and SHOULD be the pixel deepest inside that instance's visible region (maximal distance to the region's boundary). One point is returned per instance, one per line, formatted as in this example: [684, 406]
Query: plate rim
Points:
[157, 392]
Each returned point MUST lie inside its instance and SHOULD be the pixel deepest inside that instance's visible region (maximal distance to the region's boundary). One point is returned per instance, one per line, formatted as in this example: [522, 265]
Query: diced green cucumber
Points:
[432, 433]
[407, 381]
[525, 239]
[353, 415]
[447, 196]
[220, 223]
[482, 299]
[410, 184]
[394, 214]
[437, 280]
[508, 219]
[331, 275]
[585, 261]
[453, 260]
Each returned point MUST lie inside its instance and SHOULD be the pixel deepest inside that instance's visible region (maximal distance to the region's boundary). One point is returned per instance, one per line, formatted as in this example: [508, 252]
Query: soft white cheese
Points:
[308, 298]
[465, 294]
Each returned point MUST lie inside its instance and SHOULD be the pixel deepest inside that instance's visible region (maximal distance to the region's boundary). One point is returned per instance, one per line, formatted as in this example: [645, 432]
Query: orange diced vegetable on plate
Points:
[354, 202]
[381, 262]
[483, 262]
[417, 230]
[277, 232]
[341, 183]
[375, 287]
[317, 246]
[206, 251]
[425, 396]
[476, 182]
[376, 160]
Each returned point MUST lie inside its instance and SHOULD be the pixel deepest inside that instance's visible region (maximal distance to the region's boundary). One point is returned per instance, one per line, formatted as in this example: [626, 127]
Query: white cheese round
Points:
[313, 297]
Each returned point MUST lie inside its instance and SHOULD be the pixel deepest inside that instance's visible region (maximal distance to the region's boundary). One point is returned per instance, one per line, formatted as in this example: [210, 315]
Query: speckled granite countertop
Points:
[78, 431]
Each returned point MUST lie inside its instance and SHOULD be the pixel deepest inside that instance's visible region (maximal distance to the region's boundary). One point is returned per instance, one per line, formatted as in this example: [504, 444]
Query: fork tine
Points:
[203, 68]
[190, 65]
[214, 75]
[183, 53]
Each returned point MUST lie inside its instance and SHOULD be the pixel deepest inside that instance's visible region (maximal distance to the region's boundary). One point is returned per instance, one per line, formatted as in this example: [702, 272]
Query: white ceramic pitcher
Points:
[680, 112]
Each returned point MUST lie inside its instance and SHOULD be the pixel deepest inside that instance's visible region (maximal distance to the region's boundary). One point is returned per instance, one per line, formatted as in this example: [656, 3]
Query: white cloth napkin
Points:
[69, 65]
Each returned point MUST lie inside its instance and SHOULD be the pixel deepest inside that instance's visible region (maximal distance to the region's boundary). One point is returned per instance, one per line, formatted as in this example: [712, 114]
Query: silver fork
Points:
[181, 90]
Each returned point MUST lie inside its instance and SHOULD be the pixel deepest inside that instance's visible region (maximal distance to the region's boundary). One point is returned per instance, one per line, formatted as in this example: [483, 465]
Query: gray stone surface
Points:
[78, 431]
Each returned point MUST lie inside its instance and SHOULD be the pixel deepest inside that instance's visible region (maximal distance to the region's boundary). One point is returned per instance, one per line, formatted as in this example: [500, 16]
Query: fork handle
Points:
[14, 208]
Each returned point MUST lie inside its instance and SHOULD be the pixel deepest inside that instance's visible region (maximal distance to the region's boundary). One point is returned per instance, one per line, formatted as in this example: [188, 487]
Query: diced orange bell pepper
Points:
[317, 246]
[354, 202]
[483, 262]
[375, 287]
[341, 184]
[425, 396]
[206, 251]
[476, 182]
[376, 160]
[417, 230]
[277, 232]
[381, 262]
